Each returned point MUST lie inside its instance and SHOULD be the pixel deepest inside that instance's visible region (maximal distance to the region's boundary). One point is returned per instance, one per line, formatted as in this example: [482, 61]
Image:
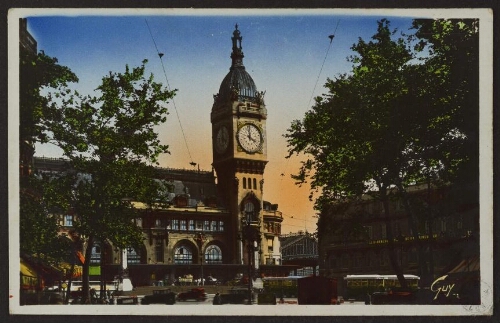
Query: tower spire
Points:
[237, 54]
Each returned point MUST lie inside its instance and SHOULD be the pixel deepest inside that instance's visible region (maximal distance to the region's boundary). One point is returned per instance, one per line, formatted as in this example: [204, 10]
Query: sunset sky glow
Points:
[287, 52]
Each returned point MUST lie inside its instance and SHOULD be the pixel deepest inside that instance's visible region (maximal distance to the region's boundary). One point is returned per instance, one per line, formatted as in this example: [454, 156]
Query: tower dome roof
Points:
[237, 81]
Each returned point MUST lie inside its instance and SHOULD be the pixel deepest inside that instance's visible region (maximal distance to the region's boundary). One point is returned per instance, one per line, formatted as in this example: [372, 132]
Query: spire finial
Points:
[237, 54]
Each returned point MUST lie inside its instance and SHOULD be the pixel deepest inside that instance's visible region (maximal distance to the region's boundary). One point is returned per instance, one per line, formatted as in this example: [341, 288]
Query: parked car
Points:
[235, 296]
[212, 281]
[159, 296]
[338, 300]
[197, 294]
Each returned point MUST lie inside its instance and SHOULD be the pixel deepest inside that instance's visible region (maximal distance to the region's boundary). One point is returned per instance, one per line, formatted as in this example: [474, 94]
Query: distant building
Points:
[26, 41]
[300, 249]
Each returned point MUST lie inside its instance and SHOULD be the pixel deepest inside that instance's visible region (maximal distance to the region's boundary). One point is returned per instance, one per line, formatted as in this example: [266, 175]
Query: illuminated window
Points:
[213, 255]
[68, 220]
[270, 245]
[250, 211]
[133, 257]
[183, 255]
[159, 250]
[95, 256]
[160, 223]
[199, 225]
[221, 226]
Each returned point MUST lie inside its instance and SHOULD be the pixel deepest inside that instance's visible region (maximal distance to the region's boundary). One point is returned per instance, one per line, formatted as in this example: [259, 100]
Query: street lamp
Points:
[251, 235]
[200, 239]
[401, 239]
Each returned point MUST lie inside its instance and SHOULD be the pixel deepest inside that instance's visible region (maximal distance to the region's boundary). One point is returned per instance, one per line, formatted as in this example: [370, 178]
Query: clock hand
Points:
[250, 135]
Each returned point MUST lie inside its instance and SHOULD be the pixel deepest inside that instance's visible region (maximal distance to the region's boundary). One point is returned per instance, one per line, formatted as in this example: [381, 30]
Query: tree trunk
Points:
[413, 221]
[430, 218]
[71, 271]
[390, 238]
[85, 272]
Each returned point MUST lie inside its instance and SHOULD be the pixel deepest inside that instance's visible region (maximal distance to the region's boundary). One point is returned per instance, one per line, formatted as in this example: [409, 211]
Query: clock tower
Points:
[240, 154]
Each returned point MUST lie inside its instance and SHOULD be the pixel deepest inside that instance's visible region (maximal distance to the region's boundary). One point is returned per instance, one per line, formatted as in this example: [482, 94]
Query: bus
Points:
[76, 285]
[357, 286]
[281, 286]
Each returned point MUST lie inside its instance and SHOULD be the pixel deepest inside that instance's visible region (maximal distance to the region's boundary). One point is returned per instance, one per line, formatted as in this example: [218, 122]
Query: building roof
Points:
[238, 78]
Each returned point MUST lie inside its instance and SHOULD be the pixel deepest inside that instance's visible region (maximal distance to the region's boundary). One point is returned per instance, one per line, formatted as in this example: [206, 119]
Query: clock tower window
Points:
[250, 212]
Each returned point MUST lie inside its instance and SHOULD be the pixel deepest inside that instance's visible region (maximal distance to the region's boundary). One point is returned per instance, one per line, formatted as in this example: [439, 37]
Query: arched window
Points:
[213, 255]
[249, 183]
[244, 182]
[183, 255]
[254, 183]
[159, 250]
[249, 211]
[95, 257]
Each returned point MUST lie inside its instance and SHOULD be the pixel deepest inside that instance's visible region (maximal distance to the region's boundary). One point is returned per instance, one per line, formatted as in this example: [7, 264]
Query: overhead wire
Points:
[332, 36]
[160, 55]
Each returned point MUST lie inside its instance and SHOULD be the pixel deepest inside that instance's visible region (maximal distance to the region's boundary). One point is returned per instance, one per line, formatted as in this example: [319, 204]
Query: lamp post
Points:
[200, 239]
[401, 240]
[251, 235]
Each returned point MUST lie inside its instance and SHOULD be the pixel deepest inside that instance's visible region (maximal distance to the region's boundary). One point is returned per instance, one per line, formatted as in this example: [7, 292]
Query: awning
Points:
[26, 270]
[29, 277]
[81, 257]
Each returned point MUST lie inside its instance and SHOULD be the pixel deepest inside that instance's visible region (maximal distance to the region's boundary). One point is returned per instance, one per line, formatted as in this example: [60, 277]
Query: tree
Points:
[38, 234]
[381, 128]
[112, 147]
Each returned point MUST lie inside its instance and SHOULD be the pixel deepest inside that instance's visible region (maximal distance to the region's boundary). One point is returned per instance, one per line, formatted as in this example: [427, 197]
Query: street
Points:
[287, 301]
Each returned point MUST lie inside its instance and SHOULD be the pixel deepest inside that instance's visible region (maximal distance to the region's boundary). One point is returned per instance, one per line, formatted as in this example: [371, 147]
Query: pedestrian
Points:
[367, 299]
[217, 299]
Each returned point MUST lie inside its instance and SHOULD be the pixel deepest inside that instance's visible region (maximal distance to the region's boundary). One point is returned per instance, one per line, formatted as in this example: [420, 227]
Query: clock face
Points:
[222, 140]
[250, 138]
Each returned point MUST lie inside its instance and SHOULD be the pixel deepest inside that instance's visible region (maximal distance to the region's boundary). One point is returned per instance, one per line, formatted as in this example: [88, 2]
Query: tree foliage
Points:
[38, 221]
[38, 229]
[38, 72]
[395, 120]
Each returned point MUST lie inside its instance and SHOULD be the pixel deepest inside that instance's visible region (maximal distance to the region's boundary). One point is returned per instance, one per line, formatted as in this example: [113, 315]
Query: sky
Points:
[287, 52]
